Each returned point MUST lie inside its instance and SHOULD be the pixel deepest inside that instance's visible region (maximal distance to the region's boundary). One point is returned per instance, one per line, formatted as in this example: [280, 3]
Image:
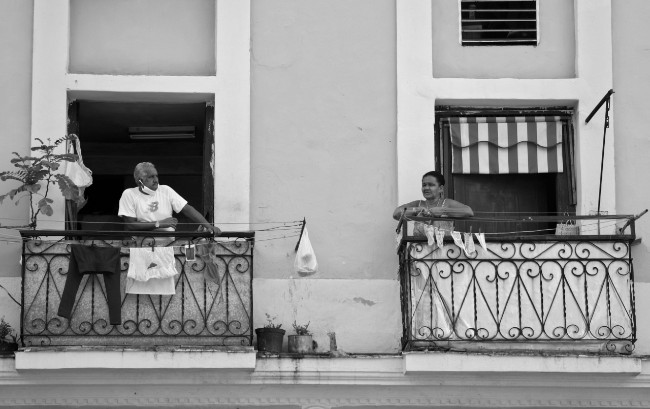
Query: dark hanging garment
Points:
[93, 260]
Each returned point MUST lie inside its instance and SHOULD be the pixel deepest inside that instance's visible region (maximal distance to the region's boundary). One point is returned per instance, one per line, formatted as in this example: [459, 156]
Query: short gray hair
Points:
[141, 169]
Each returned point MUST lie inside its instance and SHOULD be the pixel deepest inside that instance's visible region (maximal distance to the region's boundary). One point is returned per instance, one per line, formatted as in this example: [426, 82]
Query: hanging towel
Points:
[481, 240]
[151, 271]
[429, 232]
[440, 237]
[458, 240]
[469, 245]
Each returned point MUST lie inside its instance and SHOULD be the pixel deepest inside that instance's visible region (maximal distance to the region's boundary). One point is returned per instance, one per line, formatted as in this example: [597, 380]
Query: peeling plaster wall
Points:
[15, 116]
[146, 37]
[553, 57]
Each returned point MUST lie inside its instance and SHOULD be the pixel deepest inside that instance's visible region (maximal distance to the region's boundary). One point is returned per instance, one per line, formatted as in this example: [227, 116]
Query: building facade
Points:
[330, 112]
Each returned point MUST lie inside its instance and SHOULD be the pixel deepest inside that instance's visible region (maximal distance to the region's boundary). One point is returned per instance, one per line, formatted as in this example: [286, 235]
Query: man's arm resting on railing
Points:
[132, 224]
[197, 217]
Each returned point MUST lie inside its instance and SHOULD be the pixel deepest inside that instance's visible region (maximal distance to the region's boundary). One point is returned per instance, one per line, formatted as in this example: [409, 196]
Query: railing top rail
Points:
[119, 234]
[524, 218]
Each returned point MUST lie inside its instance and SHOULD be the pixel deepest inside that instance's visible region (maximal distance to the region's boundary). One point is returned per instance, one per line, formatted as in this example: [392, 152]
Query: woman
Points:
[434, 203]
[431, 314]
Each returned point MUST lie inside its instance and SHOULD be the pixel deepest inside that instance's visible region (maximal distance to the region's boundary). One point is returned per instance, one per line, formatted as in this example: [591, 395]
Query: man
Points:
[149, 206]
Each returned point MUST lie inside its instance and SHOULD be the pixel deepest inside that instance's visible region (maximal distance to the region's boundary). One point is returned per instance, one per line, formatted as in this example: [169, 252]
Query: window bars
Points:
[499, 22]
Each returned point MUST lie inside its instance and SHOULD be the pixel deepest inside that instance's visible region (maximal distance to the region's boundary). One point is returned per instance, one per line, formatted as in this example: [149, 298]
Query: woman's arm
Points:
[197, 217]
[453, 209]
[412, 209]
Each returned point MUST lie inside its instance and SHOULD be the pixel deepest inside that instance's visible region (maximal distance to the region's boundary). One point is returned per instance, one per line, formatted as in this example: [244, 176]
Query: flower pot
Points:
[301, 344]
[8, 348]
[270, 339]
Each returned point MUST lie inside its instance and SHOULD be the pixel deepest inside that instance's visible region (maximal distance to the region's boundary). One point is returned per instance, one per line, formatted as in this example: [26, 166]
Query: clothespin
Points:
[153, 243]
[470, 229]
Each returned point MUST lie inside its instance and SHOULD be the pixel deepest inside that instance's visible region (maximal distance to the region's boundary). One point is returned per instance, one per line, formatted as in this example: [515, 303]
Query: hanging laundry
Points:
[207, 253]
[305, 262]
[469, 245]
[481, 240]
[93, 260]
[429, 232]
[440, 237]
[151, 271]
[458, 239]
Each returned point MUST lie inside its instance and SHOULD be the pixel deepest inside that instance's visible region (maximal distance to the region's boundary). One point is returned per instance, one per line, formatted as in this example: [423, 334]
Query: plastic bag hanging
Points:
[78, 173]
[305, 262]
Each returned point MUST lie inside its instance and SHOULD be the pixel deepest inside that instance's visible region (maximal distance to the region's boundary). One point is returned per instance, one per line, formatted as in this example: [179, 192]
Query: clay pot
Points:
[270, 339]
[301, 344]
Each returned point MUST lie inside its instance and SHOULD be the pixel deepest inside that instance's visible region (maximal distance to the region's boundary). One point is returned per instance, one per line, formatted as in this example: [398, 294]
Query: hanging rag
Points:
[207, 252]
[469, 248]
[151, 271]
[440, 238]
[429, 232]
[458, 240]
[93, 260]
[481, 240]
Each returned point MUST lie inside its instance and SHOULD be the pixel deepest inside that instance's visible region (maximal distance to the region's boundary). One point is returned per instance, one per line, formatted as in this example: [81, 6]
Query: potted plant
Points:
[302, 342]
[35, 174]
[8, 338]
[271, 337]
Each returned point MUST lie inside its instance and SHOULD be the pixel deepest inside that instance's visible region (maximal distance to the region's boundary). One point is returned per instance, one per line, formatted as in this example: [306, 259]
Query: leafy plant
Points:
[37, 173]
[301, 329]
[6, 332]
[270, 323]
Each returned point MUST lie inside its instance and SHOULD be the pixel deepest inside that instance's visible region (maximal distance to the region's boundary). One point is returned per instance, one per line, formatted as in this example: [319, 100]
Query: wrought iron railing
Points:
[521, 289]
[212, 311]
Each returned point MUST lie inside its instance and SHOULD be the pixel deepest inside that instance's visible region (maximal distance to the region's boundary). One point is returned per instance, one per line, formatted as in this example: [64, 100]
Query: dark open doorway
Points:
[111, 147]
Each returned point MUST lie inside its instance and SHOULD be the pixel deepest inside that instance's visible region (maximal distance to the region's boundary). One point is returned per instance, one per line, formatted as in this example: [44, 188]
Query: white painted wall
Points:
[553, 57]
[15, 116]
[142, 37]
[323, 133]
[631, 41]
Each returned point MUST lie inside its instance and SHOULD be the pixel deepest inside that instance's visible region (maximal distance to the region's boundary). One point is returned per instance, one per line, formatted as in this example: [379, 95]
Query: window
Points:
[508, 163]
[498, 22]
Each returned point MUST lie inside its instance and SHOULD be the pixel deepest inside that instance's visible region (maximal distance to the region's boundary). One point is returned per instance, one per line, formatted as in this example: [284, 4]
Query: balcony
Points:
[202, 312]
[543, 292]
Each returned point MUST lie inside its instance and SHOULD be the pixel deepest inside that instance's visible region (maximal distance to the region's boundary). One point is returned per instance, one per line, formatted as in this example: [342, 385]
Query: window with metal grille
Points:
[498, 22]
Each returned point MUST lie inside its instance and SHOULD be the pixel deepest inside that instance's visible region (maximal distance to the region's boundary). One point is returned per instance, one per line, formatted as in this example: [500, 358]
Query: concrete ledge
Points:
[436, 362]
[116, 358]
[325, 364]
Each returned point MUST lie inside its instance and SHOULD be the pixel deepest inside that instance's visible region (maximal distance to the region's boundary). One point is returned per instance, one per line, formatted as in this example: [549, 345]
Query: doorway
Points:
[116, 136]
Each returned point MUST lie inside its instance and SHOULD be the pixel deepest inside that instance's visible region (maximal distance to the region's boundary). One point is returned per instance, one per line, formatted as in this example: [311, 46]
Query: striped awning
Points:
[502, 145]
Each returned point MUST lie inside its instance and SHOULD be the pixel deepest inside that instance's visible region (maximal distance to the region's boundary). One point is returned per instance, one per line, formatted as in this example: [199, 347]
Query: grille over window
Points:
[498, 22]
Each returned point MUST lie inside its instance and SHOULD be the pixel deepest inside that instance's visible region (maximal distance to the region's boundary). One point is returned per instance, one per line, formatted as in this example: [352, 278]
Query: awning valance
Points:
[502, 145]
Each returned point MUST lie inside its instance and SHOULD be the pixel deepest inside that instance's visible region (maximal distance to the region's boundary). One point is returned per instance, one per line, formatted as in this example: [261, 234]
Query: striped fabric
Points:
[501, 145]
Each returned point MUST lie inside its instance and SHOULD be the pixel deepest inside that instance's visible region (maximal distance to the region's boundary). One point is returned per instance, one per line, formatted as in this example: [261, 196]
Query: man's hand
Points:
[212, 229]
[169, 222]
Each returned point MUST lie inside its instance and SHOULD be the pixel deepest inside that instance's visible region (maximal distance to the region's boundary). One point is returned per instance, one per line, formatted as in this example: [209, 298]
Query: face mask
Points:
[146, 189]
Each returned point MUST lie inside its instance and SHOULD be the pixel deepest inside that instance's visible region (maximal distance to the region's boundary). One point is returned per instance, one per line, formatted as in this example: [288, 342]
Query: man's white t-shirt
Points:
[155, 206]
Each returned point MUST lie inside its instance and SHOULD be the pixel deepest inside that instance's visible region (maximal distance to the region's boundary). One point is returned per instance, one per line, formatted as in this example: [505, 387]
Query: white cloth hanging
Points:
[458, 239]
[151, 271]
[469, 245]
[429, 232]
[440, 237]
[481, 240]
